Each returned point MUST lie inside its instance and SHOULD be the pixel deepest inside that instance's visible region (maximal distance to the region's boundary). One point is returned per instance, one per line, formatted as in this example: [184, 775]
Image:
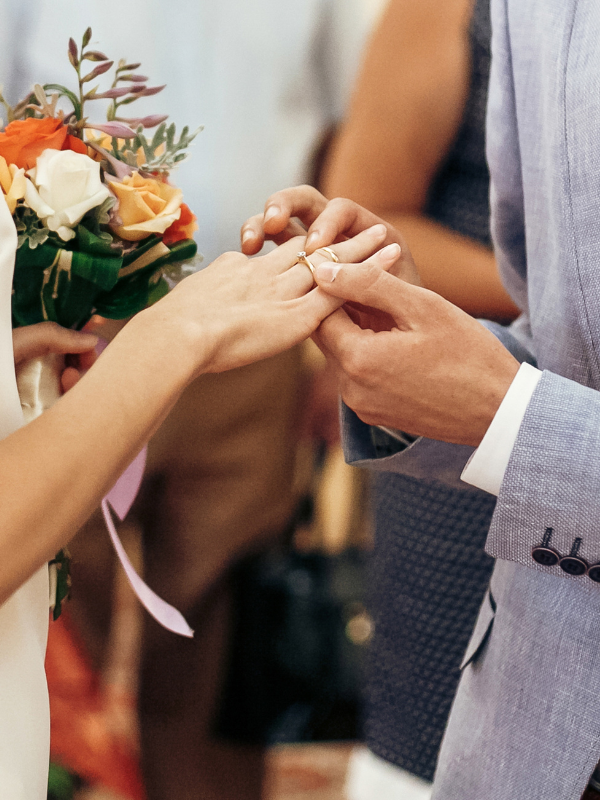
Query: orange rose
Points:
[182, 228]
[146, 206]
[24, 140]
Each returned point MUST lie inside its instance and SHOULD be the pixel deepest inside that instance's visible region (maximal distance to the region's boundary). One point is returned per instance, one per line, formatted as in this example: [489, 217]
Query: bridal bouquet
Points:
[100, 225]
[97, 216]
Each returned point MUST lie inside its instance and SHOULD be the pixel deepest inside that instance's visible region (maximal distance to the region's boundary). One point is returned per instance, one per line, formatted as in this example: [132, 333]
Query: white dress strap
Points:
[24, 712]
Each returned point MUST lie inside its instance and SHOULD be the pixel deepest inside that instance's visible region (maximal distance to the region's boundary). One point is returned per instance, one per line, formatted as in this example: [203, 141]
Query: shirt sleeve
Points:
[486, 467]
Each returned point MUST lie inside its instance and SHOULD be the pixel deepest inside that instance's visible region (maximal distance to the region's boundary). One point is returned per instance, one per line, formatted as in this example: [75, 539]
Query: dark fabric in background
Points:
[428, 575]
[428, 572]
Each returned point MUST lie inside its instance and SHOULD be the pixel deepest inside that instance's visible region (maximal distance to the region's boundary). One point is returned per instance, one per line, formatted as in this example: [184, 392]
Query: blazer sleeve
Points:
[550, 495]
[549, 502]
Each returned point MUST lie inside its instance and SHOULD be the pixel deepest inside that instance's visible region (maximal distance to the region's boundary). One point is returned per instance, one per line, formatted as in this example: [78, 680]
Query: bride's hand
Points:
[34, 341]
[302, 210]
[240, 310]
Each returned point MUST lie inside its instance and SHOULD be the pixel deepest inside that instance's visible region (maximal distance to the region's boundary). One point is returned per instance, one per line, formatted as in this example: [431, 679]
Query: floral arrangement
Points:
[98, 220]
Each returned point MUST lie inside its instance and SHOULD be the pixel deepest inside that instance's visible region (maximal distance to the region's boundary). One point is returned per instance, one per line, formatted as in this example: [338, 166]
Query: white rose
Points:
[64, 186]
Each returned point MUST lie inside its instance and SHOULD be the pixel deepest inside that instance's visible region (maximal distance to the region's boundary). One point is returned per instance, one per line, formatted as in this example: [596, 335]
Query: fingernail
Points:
[392, 251]
[247, 235]
[271, 212]
[378, 230]
[312, 239]
[327, 272]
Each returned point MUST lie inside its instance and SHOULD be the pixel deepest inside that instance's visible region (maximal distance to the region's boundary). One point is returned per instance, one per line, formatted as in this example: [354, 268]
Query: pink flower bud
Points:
[95, 55]
[73, 53]
[99, 70]
[149, 91]
[111, 94]
[148, 122]
[116, 129]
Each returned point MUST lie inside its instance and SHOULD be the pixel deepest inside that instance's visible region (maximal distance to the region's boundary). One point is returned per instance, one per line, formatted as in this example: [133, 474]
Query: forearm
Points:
[54, 471]
[73, 453]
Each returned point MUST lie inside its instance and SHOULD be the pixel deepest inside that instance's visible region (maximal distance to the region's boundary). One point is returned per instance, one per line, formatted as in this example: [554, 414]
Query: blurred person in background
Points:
[268, 79]
[412, 151]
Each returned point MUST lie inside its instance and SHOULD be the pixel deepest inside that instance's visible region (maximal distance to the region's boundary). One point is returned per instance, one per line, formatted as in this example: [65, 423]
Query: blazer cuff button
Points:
[573, 564]
[546, 556]
[594, 573]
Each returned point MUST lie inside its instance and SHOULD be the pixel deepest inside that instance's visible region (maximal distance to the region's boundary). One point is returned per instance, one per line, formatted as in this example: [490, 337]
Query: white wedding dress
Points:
[24, 712]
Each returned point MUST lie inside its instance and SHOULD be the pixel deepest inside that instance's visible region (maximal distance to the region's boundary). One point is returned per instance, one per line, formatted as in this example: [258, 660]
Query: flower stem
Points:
[9, 111]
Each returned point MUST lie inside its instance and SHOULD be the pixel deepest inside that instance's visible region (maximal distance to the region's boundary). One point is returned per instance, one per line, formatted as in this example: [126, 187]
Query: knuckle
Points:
[50, 327]
[51, 331]
[338, 204]
[234, 258]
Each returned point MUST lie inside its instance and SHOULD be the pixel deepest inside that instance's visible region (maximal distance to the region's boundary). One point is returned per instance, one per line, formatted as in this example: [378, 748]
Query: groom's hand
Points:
[302, 210]
[410, 360]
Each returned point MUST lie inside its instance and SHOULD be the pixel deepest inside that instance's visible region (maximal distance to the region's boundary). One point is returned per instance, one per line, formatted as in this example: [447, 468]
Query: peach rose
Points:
[13, 184]
[146, 206]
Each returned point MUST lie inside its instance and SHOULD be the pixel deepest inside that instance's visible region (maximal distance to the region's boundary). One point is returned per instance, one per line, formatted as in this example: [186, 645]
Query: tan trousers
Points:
[218, 485]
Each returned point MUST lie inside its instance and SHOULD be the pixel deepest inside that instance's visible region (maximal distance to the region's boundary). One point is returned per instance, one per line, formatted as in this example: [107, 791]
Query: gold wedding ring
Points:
[331, 256]
[302, 258]
[326, 252]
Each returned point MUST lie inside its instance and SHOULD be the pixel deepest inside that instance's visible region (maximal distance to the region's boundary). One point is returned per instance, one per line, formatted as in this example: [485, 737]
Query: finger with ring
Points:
[302, 258]
[329, 254]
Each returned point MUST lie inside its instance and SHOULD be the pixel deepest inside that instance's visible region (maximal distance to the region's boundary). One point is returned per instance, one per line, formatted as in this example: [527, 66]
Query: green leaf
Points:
[163, 152]
[61, 784]
[64, 92]
[87, 37]
[101, 270]
[91, 243]
[147, 244]
[135, 292]
[45, 291]
[158, 291]
[182, 251]
[130, 295]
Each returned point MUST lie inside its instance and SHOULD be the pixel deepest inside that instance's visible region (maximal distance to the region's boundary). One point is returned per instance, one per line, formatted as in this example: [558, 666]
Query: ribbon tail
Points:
[165, 614]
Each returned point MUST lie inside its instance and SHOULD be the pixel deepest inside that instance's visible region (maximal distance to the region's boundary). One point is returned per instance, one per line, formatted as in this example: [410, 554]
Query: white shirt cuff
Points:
[486, 467]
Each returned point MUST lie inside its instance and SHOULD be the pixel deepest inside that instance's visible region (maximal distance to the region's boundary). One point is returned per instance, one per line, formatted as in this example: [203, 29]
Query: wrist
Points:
[174, 347]
[496, 391]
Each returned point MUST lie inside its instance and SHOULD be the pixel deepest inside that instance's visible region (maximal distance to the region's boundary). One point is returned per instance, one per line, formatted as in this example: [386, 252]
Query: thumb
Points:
[369, 284]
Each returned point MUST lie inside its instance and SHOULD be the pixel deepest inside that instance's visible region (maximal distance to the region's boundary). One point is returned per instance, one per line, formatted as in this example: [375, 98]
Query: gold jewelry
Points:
[330, 253]
[302, 258]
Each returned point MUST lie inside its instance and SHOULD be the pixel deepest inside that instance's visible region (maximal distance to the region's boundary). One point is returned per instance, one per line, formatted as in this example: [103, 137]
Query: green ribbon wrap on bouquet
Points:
[69, 283]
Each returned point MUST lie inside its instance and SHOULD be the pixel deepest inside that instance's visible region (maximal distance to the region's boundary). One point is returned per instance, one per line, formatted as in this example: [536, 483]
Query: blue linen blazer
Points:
[526, 720]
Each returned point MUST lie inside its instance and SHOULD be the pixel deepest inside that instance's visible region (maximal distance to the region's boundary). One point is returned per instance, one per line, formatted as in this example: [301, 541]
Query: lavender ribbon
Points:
[120, 499]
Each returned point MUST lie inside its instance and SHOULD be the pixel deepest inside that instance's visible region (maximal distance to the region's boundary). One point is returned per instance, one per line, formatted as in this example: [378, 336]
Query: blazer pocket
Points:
[482, 630]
